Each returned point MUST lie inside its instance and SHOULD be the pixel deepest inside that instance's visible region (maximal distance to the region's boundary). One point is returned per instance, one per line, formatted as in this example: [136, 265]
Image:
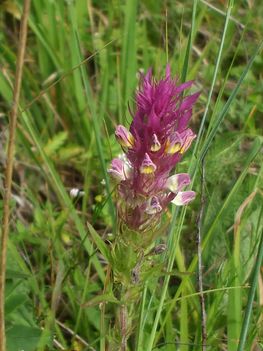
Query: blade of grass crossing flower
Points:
[195, 156]
[171, 259]
[189, 44]
[202, 155]
[218, 60]
[226, 107]
[251, 295]
[223, 85]
[172, 231]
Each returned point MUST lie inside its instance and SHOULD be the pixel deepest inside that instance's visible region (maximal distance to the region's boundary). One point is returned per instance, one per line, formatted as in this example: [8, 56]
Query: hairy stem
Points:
[9, 167]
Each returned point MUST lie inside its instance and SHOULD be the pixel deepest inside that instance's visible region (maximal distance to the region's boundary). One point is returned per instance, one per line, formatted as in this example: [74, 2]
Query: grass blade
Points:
[57, 185]
[228, 103]
[254, 280]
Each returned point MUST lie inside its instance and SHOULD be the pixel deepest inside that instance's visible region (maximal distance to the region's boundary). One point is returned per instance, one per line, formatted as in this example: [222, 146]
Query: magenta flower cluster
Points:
[154, 144]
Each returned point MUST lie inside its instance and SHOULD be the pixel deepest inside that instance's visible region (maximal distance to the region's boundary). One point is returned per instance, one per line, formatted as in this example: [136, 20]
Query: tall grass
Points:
[80, 74]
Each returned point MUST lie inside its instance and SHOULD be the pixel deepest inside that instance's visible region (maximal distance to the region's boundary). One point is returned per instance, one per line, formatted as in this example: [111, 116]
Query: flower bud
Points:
[117, 169]
[156, 145]
[124, 137]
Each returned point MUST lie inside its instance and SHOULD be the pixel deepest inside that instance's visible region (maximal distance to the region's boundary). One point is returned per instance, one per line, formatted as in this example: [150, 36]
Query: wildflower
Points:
[117, 169]
[120, 168]
[74, 193]
[154, 144]
[124, 137]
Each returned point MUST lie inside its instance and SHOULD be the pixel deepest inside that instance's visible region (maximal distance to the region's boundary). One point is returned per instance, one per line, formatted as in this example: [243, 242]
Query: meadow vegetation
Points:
[81, 70]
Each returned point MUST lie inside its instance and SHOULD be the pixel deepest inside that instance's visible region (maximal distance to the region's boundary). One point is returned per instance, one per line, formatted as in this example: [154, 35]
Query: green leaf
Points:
[100, 243]
[108, 297]
[12, 274]
[21, 337]
[55, 143]
[14, 301]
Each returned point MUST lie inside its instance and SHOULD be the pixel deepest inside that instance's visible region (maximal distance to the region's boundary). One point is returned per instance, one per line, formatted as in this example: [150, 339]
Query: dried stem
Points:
[123, 325]
[199, 249]
[9, 167]
[76, 336]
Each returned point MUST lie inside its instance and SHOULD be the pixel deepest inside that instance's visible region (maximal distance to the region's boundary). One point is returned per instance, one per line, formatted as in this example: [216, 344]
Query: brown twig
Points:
[199, 252]
[9, 166]
[76, 336]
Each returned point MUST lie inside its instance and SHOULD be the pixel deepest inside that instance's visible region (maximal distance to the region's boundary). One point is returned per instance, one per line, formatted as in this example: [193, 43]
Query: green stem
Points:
[245, 325]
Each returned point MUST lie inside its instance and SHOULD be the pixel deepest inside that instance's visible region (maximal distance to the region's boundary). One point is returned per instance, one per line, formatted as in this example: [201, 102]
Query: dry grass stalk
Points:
[9, 166]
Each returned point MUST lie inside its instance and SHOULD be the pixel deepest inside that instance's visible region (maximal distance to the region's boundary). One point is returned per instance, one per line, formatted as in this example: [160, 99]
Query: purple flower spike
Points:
[156, 141]
[124, 137]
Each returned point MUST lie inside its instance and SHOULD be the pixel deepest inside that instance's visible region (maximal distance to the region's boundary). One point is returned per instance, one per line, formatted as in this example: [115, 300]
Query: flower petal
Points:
[124, 137]
[153, 206]
[177, 182]
[187, 136]
[147, 166]
[173, 144]
[188, 101]
[156, 145]
[183, 198]
[117, 169]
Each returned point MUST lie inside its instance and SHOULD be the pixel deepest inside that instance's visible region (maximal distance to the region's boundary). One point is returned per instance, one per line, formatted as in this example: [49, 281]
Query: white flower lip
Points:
[177, 182]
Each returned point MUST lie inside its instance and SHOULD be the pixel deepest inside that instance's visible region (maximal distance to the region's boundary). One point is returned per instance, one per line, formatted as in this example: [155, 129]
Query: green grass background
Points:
[82, 63]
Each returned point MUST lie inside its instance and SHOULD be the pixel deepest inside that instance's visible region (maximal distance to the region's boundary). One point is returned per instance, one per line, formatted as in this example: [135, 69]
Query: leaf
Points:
[21, 337]
[55, 143]
[12, 274]
[69, 152]
[14, 301]
[100, 243]
[108, 297]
